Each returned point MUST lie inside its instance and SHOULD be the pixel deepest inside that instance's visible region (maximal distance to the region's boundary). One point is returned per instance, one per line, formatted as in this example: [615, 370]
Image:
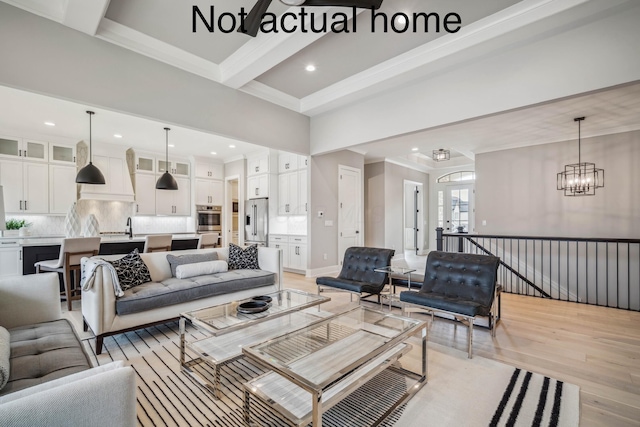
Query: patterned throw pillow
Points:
[243, 258]
[132, 271]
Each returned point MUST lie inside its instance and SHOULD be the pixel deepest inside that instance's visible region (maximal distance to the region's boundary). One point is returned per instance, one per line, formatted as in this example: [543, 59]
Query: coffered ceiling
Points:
[352, 66]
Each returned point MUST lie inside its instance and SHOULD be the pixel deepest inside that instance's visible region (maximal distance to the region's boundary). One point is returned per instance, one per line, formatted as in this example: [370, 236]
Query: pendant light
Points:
[90, 174]
[582, 178]
[166, 181]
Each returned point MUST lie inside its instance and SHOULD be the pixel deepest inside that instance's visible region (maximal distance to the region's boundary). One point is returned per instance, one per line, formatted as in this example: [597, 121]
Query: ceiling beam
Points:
[85, 16]
[267, 50]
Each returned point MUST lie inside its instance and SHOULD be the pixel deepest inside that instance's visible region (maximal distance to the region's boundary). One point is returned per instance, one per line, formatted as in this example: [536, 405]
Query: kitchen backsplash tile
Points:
[111, 216]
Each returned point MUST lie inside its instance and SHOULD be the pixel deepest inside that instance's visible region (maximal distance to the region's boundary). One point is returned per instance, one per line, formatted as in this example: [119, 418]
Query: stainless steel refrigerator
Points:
[256, 223]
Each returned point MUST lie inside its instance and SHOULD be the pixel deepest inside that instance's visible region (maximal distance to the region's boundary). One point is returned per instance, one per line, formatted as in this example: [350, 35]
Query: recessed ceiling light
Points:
[310, 67]
[171, 145]
[232, 146]
[117, 135]
[415, 149]
[214, 153]
[49, 123]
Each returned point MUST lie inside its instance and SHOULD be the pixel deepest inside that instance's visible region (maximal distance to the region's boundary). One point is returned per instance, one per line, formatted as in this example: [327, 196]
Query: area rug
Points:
[459, 391]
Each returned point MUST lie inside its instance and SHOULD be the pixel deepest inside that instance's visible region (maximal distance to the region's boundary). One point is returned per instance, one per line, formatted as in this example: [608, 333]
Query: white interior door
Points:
[459, 208]
[349, 209]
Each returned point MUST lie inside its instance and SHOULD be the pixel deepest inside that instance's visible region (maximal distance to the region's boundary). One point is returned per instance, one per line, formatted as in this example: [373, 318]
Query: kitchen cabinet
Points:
[297, 252]
[10, 260]
[176, 167]
[62, 154]
[175, 202]
[258, 186]
[292, 193]
[294, 250]
[145, 163]
[209, 192]
[210, 170]
[258, 164]
[24, 149]
[26, 186]
[145, 191]
[62, 188]
[281, 242]
[289, 162]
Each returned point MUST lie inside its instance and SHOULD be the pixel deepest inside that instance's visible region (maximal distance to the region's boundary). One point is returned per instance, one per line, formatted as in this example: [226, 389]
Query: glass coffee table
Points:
[229, 330]
[391, 294]
[316, 366]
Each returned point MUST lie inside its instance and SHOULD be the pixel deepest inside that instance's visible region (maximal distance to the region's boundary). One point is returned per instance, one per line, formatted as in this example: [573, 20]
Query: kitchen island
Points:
[41, 248]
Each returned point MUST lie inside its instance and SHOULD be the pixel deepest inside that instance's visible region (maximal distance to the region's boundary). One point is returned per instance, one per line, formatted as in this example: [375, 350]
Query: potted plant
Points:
[14, 225]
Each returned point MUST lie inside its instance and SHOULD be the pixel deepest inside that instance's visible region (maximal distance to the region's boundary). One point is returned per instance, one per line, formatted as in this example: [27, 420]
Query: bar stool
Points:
[158, 243]
[208, 240]
[71, 252]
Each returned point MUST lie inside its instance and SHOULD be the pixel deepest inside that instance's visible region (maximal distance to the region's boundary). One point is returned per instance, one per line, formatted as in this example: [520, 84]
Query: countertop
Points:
[109, 238]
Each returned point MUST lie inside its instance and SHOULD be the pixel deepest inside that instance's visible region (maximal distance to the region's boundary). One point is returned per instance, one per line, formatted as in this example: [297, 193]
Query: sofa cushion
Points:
[201, 268]
[43, 352]
[243, 258]
[131, 269]
[176, 260]
[175, 291]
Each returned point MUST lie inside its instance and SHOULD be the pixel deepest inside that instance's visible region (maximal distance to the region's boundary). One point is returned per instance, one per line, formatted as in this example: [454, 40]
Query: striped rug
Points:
[460, 391]
[168, 397]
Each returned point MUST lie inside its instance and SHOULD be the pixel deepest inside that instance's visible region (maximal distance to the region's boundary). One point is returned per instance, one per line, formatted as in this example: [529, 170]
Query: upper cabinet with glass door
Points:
[176, 167]
[62, 154]
[145, 162]
[25, 149]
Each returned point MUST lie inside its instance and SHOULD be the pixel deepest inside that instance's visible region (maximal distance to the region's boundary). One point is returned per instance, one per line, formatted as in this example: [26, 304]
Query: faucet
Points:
[130, 228]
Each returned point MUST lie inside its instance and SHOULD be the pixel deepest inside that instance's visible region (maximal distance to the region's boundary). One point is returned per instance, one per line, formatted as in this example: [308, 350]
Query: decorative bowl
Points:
[253, 307]
[265, 298]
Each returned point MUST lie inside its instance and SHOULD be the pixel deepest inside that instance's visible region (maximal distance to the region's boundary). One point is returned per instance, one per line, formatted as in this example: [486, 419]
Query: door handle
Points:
[357, 231]
[20, 204]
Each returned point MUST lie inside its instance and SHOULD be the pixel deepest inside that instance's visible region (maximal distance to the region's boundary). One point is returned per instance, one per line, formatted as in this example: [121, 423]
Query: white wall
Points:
[593, 56]
[516, 190]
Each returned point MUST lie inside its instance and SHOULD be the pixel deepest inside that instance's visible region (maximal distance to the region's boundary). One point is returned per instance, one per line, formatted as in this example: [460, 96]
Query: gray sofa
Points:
[166, 296]
[50, 381]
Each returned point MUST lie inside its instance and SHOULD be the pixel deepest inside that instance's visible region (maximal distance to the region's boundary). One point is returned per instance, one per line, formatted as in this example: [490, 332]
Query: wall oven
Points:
[209, 218]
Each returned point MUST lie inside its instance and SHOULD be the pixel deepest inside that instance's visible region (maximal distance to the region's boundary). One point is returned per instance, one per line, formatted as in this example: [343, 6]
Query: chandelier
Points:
[582, 178]
[441, 155]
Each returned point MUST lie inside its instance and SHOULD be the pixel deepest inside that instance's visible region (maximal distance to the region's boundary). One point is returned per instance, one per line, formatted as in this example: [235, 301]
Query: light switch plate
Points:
[328, 223]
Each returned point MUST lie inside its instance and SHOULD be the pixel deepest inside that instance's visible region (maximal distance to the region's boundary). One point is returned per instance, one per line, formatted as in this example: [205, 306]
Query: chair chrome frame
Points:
[494, 316]
[326, 288]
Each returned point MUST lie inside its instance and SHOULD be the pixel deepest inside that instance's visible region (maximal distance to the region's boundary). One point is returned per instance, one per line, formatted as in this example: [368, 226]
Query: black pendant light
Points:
[166, 181]
[90, 174]
[582, 178]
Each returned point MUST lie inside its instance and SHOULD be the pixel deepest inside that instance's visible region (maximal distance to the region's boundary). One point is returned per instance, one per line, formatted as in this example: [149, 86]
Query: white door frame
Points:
[359, 210]
[419, 220]
[227, 219]
[447, 205]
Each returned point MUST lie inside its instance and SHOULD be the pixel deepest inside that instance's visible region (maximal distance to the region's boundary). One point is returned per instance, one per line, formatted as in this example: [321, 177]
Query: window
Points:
[457, 176]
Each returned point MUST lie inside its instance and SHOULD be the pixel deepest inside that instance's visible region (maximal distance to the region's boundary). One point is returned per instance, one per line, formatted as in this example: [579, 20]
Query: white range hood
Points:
[111, 160]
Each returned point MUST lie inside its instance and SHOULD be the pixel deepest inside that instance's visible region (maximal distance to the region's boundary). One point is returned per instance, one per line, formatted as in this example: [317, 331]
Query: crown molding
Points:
[138, 42]
[272, 95]
[234, 158]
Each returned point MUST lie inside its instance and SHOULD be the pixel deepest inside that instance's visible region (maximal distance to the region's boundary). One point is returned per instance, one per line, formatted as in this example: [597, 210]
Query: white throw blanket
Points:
[5, 355]
[89, 267]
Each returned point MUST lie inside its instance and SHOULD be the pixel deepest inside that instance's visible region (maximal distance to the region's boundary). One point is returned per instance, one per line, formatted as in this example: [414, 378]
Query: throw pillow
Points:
[5, 354]
[243, 258]
[132, 271]
[175, 261]
[200, 269]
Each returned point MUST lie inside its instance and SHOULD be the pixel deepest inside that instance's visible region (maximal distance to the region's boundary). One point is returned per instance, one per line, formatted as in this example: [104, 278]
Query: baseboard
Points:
[331, 270]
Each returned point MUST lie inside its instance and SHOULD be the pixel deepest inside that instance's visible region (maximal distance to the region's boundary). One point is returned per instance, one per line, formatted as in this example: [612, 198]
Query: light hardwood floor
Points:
[594, 347]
